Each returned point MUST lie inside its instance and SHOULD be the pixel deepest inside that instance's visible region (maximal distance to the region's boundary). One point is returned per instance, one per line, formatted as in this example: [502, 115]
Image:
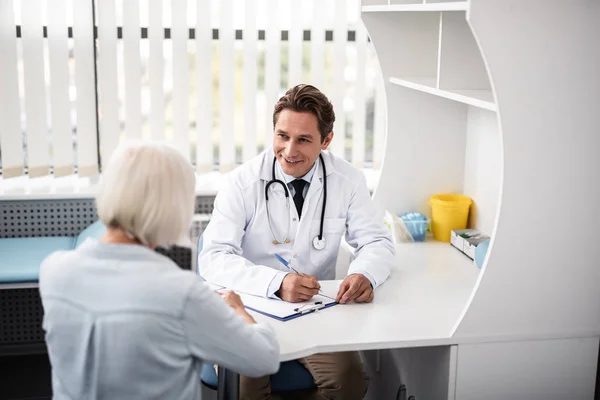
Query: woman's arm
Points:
[216, 333]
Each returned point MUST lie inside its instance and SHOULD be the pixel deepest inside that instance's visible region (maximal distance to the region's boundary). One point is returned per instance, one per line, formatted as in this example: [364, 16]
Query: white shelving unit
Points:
[437, 79]
[499, 100]
[474, 97]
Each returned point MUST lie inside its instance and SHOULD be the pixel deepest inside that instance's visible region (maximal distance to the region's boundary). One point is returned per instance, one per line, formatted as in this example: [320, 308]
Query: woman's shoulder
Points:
[56, 265]
[57, 259]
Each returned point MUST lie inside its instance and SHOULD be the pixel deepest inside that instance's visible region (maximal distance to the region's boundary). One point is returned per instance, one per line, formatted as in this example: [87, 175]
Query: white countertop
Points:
[418, 305]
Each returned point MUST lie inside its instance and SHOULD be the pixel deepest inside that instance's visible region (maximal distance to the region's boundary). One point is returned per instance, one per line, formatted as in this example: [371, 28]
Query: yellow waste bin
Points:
[448, 212]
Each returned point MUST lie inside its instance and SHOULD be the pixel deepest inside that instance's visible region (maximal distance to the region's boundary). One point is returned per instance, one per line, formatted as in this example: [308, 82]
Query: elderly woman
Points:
[124, 322]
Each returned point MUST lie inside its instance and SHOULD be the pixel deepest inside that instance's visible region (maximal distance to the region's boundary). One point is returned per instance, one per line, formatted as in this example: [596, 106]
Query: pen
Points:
[287, 265]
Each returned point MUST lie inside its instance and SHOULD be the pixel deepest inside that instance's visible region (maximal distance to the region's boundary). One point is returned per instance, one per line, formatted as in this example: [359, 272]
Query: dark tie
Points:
[298, 185]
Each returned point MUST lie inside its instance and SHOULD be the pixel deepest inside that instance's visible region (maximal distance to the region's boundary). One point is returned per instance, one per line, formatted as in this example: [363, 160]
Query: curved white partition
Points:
[498, 100]
[525, 148]
[543, 270]
[443, 132]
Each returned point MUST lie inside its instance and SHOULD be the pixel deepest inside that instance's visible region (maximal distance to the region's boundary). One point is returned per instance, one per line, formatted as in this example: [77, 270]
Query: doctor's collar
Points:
[288, 178]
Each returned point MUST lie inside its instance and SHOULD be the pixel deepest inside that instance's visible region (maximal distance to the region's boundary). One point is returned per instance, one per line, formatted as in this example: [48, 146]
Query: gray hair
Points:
[148, 190]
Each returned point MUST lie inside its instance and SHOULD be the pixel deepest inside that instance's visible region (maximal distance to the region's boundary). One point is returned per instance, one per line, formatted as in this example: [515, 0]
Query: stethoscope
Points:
[318, 241]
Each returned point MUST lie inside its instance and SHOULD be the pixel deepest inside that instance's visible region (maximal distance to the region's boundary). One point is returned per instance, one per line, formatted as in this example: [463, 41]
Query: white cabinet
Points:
[554, 369]
[426, 373]
[533, 370]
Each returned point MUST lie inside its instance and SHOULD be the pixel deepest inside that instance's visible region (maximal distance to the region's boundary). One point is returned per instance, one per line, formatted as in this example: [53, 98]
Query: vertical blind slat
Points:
[339, 80]
[272, 66]
[250, 82]
[226, 88]
[11, 139]
[295, 46]
[85, 104]
[179, 39]
[38, 158]
[60, 106]
[156, 70]
[110, 130]
[358, 132]
[133, 68]
[317, 46]
[204, 108]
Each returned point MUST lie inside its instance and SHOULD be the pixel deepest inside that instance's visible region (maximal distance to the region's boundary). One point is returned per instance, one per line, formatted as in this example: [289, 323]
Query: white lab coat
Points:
[238, 250]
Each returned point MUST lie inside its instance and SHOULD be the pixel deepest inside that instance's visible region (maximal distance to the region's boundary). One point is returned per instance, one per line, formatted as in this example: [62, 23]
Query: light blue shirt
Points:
[275, 284]
[124, 322]
[289, 178]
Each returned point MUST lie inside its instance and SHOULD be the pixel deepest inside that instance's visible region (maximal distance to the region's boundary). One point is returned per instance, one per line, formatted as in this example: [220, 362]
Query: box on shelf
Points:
[466, 240]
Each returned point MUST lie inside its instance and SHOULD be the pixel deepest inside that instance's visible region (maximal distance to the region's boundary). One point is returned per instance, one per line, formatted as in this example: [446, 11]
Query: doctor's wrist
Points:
[369, 278]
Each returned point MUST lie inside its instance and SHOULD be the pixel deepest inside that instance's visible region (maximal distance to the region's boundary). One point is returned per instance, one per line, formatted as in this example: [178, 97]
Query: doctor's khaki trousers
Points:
[338, 376]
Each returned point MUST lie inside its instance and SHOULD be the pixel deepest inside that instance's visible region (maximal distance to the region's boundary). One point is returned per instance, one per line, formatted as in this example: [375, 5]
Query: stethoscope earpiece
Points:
[318, 244]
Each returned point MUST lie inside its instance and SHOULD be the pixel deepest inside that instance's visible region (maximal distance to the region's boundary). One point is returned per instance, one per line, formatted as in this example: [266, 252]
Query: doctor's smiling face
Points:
[297, 142]
[303, 126]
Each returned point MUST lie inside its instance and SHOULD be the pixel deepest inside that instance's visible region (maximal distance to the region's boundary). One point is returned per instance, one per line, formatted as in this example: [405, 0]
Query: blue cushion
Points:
[291, 376]
[21, 257]
[95, 230]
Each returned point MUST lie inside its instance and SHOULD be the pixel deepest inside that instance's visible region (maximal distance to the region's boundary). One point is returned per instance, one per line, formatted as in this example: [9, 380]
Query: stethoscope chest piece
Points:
[319, 244]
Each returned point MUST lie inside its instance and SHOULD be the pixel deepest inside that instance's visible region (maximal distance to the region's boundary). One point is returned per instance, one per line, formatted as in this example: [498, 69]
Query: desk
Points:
[414, 317]
[419, 305]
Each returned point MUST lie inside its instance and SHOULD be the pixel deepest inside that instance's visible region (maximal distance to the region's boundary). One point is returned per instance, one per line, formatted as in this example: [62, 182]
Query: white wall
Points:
[511, 370]
[483, 168]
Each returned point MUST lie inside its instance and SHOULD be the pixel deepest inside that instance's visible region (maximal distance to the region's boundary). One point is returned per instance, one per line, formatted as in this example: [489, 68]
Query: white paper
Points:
[283, 309]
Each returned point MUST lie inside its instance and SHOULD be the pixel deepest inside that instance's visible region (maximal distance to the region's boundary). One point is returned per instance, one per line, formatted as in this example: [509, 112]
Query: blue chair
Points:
[292, 375]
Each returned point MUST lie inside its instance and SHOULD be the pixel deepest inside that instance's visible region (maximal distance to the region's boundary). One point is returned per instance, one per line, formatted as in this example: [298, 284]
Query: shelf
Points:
[478, 98]
[452, 6]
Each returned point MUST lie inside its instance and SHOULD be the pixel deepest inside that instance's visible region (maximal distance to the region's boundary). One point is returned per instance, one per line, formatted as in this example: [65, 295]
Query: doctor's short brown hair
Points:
[307, 98]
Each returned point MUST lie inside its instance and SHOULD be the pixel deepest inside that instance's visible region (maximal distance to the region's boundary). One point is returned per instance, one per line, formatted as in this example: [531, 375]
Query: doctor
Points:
[296, 200]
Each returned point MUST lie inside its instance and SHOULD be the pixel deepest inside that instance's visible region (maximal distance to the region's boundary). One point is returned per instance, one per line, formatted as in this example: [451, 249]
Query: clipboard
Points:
[284, 311]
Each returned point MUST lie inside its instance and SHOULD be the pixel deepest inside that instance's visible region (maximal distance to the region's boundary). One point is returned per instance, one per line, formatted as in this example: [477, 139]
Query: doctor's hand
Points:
[234, 301]
[356, 287]
[296, 288]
